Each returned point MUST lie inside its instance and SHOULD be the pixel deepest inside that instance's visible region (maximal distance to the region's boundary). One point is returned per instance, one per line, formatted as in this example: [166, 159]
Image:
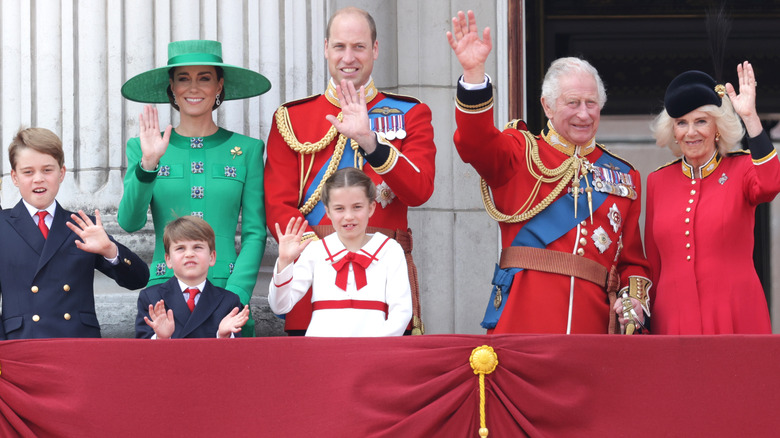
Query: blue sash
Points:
[546, 227]
[348, 157]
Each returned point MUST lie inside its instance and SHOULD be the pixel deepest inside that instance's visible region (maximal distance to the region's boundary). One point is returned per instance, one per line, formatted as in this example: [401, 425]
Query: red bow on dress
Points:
[359, 264]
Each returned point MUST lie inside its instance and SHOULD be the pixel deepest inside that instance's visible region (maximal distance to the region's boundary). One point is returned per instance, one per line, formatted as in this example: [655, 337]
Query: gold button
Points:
[67, 317]
[581, 251]
[128, 262]
[693, 192]
[688, 258]
[687, 220]
[584, 232]
[687, 233]
[690, 201]
[583, 241]
[66, 288]
[687, 245]
[34, 289]
[36, 318]
[688, 210]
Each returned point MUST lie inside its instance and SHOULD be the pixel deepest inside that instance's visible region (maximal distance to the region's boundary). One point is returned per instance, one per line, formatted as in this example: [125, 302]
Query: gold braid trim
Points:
[284, 126]
[285, 129]
[334, 164]
[563, 174]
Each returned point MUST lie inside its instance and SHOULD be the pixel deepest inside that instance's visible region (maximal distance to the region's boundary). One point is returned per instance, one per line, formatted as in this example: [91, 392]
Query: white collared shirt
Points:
[184, 287]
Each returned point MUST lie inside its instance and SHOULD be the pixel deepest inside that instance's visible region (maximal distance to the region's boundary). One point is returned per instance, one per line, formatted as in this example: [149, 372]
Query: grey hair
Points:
[727, 124]
[551, 89]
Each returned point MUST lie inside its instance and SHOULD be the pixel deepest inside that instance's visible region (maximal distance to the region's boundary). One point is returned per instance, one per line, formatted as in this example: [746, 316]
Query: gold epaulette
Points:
[669, 164]
[403, 97]
[736, 153]
[300, 101]
[614, 155]
[517, 124]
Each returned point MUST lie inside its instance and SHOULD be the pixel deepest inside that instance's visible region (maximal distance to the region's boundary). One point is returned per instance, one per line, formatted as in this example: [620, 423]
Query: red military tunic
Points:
[699, 237]
[403, 168]
[543, 302]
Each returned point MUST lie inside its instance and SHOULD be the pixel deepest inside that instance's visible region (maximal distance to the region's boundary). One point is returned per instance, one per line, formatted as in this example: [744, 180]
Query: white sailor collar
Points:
[337, 250]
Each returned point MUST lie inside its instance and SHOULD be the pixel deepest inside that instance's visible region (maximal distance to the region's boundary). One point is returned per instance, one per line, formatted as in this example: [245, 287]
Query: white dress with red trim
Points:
[360, 294]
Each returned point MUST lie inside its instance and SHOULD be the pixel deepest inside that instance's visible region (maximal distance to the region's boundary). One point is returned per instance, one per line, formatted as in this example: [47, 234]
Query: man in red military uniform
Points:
[568, 209]
[352, 124]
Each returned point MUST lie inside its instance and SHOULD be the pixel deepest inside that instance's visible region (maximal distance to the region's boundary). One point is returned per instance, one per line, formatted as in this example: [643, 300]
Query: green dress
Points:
[214, 177]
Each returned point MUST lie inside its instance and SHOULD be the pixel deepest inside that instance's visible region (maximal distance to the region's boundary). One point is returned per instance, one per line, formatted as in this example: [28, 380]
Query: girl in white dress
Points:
[359, 281]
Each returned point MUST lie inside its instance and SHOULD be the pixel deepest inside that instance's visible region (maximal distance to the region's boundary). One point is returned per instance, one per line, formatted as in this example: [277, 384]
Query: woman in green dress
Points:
[197, 168]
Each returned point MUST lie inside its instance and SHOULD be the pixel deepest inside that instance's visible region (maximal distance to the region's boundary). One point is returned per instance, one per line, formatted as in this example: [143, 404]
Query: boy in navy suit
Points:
[46, 272]
[188, 305]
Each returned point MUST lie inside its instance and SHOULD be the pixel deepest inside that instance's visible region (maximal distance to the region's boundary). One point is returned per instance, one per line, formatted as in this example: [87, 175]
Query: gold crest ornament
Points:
[483, 360]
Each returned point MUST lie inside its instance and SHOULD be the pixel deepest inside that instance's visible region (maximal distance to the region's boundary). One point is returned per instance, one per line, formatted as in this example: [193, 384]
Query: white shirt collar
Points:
[33, 211]
[184, 286]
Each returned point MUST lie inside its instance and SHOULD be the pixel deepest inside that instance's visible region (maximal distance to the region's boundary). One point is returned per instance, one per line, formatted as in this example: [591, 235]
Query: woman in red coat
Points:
[700, 208]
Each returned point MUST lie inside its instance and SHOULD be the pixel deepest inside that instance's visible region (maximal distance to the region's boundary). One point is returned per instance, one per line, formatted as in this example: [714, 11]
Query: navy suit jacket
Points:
[46, 284]
[213, 305]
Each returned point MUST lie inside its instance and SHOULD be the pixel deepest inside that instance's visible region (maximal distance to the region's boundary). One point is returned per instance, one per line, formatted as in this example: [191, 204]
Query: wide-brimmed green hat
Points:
[151, 86]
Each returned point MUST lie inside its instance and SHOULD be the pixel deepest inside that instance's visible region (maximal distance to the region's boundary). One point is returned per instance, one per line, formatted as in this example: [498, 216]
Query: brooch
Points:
[615, 219]
[236, 151]
[384, 195]
[723, 178]
[601, 239]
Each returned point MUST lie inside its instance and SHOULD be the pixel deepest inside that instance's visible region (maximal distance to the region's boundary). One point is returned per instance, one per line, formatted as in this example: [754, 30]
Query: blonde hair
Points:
[726, 121]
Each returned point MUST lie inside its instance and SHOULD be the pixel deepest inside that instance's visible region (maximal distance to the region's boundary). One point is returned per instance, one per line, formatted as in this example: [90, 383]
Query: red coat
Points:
[539, 302]
[408, 174]
[699, 237]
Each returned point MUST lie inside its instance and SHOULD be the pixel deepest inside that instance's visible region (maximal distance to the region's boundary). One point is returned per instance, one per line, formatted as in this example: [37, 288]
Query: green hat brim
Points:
[151, 86]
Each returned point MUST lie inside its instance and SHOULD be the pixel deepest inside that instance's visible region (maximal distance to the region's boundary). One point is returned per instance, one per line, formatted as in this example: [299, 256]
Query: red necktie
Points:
[42, 223]
[359, 264]
[193, 291]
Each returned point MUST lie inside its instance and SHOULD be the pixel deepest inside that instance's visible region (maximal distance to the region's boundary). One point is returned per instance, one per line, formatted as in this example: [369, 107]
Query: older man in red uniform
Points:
[352, 124]
[568, 209]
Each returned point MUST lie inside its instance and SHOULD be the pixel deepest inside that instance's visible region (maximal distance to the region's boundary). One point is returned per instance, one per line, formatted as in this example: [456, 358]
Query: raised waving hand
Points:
[472, 52]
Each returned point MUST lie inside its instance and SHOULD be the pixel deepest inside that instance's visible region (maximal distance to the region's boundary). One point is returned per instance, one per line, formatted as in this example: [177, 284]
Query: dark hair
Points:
[172, 100]
[38, 139]
[188, 228]
[352, 10]
[348, 177]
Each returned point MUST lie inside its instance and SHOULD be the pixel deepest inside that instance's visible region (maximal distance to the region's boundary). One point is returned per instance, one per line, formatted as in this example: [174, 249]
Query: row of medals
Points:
[391, 126]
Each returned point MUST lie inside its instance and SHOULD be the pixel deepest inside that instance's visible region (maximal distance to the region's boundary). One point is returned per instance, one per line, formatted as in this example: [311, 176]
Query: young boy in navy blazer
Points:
[188, 305]
[48, 255]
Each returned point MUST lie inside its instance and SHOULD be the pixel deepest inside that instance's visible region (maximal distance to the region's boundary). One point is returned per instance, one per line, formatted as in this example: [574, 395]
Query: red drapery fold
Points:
[544, 385]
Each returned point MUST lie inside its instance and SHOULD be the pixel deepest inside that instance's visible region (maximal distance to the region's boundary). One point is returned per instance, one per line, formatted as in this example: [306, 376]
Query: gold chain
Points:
[563, 174]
